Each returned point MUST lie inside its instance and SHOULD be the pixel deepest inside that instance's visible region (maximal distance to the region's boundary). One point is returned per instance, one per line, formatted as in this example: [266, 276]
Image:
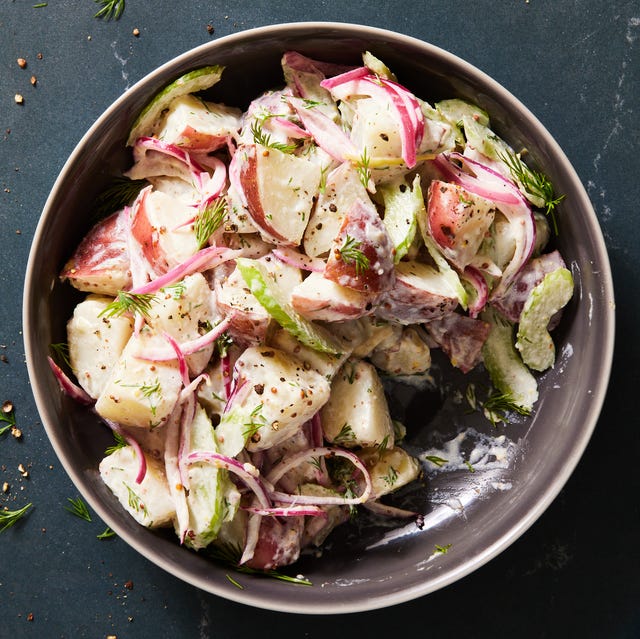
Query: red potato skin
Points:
[407, 304]
[460, 337]
[148, 236]
[249, 184]
[102, 256]
[363, 224]
[329, 304]
[193, 140]
[327, 310]
[278, 543]
[453, 219]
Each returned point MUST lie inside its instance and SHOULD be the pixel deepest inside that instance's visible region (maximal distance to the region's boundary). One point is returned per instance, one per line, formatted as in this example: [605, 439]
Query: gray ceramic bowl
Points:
[478, 514]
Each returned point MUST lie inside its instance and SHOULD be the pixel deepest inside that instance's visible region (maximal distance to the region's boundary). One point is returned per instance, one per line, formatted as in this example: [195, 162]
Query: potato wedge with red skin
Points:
[101, 263]
[278, 543]
[319, 298]
[161, 228]
[420, 294]
[343, 187]
[460, 337]
[367, 233]
[458, 220]
[279, 189]
[197, 125]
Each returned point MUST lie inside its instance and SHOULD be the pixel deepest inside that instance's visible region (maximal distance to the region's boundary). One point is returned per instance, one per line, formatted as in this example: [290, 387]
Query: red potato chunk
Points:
[101, 262]
[161, 227]
[458, 220]
[197, 125]
[420, 294]
[361, 257]
[460, 337]
[279, 190]
[278, 543]
[318, 298]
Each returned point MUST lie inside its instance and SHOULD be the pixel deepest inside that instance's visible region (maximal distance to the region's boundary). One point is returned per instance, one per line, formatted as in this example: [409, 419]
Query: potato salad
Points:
[258, 274]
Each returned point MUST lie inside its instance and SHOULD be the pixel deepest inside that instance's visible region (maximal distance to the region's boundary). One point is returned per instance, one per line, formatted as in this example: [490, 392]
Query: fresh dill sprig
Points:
[350, 253]
[443, 550]
[60, 353]
[257, 420]
[176, 290]
[322, 187]
[362, 167]
[438, 461]
[127, 302]
[498, 404]
[345, 434]
[310, 104]
[391, 477]
[535, 183]
[106, 533]
[120, 192]
[78, 508]
[120, 442]
[209, 220]
[223, 343]
[229, 554]
[264, 139]
[110, 9]
[9, 517]
[9, 419]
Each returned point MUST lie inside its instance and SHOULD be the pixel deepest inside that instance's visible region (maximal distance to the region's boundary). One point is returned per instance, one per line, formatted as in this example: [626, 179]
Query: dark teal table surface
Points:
[576, 572]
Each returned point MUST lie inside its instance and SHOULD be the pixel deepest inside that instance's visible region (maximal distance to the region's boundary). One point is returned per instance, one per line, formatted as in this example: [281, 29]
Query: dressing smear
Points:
[471, 451]
[475, 465]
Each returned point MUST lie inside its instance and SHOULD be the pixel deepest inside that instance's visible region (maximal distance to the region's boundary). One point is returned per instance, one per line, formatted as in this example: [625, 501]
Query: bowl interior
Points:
[478, 514]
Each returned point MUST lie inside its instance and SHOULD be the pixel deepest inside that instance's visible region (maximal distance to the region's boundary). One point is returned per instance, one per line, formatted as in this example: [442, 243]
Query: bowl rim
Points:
[544, 499]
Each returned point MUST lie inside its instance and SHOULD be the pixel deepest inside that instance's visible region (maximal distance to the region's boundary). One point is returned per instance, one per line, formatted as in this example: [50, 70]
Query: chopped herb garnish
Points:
[8, 417]
[382, 446]
[78, 508]
[120, 442]
[223, 343]
[497, 405]
[9, 517]
[438, 461]
[209, 220]
[257, 420]
[60, 353]
[362, 167]
[350, 253]
[443, 550]
[346, 434]
[110, 9]
[134, 500]
[391, 477]
[175, 290]
[106, 533]
[264, 139]
[120, 192]
[127, 302]
[534, 183]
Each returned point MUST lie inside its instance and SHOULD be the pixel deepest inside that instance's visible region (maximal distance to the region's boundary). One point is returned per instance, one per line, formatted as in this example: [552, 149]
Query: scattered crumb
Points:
[22, 63]
[18, 98]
